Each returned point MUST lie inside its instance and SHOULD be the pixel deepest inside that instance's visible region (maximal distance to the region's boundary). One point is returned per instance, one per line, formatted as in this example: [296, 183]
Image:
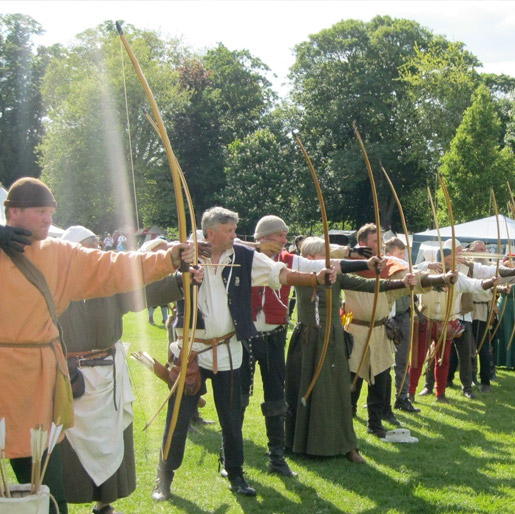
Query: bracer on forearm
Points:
[433, 280]
[298, 278]
[351, 266]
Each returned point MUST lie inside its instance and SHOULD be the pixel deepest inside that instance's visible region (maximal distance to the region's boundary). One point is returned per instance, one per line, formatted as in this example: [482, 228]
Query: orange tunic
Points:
[27, 375]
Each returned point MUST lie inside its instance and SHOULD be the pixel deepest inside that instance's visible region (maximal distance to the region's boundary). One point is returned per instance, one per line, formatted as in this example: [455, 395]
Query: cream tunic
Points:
[380, 354]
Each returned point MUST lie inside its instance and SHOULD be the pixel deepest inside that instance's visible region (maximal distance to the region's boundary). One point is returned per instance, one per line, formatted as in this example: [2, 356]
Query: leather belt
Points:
[377, 323]
[213, 342]
[92, 354]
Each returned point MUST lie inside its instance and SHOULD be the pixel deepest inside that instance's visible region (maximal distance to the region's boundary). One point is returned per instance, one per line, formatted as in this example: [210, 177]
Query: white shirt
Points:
[214, 308]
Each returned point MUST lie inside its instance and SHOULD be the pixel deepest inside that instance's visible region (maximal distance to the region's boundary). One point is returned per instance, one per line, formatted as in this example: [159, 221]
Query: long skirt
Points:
[324, 426]
[80, 488]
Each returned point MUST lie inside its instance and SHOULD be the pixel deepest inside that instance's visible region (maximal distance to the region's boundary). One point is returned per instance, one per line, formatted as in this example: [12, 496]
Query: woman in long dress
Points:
[323, 427]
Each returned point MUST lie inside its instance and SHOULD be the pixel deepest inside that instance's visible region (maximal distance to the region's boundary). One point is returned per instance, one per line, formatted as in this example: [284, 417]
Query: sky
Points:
[270, 29]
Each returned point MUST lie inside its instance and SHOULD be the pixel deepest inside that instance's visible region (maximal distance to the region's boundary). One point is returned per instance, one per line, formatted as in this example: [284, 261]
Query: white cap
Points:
[200, 236]
[152, 244]
[77, 234]
[448, 244]
[399, 435]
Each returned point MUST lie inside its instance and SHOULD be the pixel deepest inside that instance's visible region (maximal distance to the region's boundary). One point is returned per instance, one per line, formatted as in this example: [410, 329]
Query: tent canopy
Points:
[484, 229]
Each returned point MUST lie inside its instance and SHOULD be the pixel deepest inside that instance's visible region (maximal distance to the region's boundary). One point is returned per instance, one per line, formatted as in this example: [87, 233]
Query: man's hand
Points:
[330, 273]
[14, 238]
[451, 277]
[205, 249]
[184, 252]
[410, 280]
[436, 267]
[376, 263]
[197, 274]
[361, 252]
[270, 248]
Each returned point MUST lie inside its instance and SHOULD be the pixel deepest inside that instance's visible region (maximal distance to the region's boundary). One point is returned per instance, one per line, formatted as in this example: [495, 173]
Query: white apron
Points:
[97, 436]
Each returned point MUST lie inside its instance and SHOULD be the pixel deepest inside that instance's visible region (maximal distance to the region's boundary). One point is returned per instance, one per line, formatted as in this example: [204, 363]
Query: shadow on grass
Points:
[451, 468]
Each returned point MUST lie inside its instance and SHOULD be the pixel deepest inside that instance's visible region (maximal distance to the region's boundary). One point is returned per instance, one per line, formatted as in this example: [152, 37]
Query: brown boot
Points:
[355, 457]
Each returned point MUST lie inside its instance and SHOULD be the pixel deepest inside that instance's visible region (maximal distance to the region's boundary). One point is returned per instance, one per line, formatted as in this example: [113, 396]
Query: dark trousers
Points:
[401, 354]
[268, 350]
[461, 354]
[22, 468]
[227, 396]
[478, 329]
[376, 398]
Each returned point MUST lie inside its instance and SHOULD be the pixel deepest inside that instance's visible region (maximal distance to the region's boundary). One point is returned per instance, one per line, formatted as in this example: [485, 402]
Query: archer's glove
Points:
[13, 238]
[205, 249]
[360, 252]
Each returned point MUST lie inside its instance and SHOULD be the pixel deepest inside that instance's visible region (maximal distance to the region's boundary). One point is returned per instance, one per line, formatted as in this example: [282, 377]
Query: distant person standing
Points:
[121, 245]
[108, 243]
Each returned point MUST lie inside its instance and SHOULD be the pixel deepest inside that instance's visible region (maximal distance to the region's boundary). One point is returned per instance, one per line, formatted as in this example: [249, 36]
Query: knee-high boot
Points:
[164, 480]
[274, 421]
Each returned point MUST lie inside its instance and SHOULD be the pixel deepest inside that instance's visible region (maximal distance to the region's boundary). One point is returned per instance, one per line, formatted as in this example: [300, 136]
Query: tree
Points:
[260, 179]
[21, 72]
[85, 152]
[475, 161]
[228, 98]
[440, 80]
[352, 72]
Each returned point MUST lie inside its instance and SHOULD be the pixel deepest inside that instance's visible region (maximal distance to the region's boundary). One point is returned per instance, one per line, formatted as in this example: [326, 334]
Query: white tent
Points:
[484, 229]
[54, 230]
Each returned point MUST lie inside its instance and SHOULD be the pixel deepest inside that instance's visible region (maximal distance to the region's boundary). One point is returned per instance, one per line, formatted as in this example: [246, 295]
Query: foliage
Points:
[406, 88]
[475, 162]
[259, 178]
[352, 72]
[21, 72]
[229, 95]
[440, 80]
[84, 149]
[85, 152]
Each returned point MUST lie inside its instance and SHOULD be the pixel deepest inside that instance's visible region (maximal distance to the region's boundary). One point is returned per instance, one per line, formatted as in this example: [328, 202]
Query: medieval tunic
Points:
[324, 427]
[224, 308]
[380, 354]
[98, 452]
[27, 378]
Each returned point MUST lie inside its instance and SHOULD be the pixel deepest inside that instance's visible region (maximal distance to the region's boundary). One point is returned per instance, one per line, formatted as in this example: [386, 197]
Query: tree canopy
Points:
[78, 116]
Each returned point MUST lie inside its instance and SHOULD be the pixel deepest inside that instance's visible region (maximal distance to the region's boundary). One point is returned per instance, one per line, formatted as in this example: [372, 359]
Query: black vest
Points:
[238, 298]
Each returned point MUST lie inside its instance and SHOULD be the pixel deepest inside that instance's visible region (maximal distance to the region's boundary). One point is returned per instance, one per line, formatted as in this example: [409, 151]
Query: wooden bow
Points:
[494, 290]
[412, 291]
[450, 291]
[378, 252]
[503, 310]
[328, 291]
[179, 183]
[511, 202]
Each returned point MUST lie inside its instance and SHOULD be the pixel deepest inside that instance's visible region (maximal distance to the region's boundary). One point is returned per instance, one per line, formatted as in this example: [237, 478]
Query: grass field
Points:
[464, 462]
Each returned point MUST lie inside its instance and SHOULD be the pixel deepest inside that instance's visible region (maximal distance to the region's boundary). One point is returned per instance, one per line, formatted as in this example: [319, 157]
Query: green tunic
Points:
[324, 427]
[506, 357]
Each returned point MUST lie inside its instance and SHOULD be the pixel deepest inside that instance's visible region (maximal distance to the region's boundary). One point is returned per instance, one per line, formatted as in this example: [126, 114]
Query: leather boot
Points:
[164, 480]
[275, 432]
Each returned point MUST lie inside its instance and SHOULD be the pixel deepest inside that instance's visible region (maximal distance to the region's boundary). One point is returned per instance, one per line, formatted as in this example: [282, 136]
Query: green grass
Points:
[464, 462]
